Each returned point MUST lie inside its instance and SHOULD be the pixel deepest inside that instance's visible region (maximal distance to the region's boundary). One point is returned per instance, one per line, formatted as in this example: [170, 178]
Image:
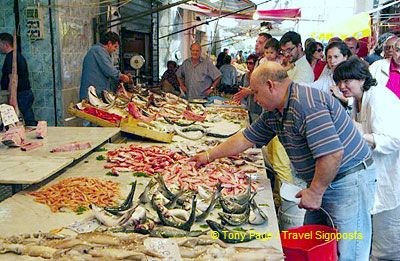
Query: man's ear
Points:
[270, 85]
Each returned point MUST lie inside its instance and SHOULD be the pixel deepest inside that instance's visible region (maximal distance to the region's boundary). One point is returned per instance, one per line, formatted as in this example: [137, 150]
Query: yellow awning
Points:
[358, 26]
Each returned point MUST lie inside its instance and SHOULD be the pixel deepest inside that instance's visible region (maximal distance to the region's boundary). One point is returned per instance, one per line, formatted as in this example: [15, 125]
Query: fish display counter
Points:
[153, 114]
[147, 201]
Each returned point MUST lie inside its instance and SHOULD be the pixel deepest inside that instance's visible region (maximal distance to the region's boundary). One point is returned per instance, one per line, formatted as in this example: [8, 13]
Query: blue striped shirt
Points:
[313, 124]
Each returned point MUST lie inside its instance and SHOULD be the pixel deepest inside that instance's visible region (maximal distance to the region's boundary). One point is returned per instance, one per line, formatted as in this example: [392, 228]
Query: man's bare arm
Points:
[232, 146]
[326, 168]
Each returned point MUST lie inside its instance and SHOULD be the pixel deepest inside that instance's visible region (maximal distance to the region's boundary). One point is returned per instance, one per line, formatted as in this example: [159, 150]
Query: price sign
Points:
[165, 247]
[84, 226]
[8, 115]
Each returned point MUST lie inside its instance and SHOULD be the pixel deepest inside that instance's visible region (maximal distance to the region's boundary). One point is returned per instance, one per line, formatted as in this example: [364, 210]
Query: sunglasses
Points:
[319, 50]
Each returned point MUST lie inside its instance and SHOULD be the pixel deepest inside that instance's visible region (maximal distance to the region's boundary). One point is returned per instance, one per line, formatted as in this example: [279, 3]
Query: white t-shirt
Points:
[301, 72]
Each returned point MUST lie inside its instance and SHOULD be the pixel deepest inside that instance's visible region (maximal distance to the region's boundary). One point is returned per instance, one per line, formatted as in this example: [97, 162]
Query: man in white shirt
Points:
[292, 49]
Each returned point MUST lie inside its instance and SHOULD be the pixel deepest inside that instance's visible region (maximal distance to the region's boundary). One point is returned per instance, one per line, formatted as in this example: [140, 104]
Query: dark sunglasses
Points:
[319, 50]
[249, 62]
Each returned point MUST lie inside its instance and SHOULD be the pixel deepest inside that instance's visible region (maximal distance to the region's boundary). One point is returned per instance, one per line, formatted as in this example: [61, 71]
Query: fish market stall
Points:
[59, 148]
[181, 204]
[153, 114]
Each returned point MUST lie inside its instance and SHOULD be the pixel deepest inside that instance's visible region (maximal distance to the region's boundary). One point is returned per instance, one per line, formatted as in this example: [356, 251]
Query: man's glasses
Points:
[288, 50]
[388, 47]
[249, 62]
[319, 50]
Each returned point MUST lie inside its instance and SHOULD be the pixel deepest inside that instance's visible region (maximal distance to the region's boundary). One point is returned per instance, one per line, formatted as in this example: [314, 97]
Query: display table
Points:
[19, 167]
[15, 211]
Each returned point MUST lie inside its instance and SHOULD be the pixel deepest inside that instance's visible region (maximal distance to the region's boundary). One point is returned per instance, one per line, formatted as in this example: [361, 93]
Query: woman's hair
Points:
[354, 69]
[344, 50]
[272, 43]
[311, 49]
[227, 59]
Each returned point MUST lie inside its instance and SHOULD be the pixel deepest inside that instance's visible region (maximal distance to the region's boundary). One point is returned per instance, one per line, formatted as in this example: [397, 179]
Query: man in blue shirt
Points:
[98, 69]
[325, 148]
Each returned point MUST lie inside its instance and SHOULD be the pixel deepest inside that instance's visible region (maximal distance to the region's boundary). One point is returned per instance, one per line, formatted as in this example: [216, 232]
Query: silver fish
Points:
[257, 216]
[144, 197]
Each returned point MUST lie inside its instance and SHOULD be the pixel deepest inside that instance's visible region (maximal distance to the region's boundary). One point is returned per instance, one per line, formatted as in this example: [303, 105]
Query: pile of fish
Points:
[133, 246]
[102, 114]
[86, 246]
[147, 106]
[180, 171]
[176, 212]
[231, 114]
[72, 146]
[76, 193]
[41, 129]
[14, 136]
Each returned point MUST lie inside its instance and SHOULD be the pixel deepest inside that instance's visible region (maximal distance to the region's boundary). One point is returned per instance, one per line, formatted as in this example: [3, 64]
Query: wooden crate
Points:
[88, 117]
[130, 125]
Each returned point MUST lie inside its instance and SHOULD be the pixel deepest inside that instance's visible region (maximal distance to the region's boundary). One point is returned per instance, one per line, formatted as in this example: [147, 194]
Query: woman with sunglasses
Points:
[335, 53]
[375, 110]
[315, 56]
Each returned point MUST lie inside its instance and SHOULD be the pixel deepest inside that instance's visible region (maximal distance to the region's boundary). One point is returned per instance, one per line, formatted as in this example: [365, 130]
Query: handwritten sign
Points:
[8, 115]
[84, 226]
[165, 247]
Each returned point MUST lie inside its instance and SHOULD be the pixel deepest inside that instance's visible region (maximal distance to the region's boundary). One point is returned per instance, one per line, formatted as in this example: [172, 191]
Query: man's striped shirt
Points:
[313, 124]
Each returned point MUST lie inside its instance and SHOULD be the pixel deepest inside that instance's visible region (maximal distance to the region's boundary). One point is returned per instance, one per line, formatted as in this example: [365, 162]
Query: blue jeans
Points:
[349, 202]
[25, 102]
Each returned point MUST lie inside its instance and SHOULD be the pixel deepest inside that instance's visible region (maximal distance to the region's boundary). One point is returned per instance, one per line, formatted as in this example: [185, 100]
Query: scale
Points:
[137, 61]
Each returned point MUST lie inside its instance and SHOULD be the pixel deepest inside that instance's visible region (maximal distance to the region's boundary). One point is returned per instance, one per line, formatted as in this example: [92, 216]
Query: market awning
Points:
[358, 26]
[268, 15]
[227, 6]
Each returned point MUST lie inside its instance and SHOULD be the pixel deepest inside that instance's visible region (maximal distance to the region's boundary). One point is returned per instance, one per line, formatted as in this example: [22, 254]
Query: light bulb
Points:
[256, 16]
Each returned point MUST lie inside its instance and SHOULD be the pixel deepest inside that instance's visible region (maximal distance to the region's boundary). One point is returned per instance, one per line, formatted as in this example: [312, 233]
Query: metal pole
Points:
[140, 14]
[207, 22]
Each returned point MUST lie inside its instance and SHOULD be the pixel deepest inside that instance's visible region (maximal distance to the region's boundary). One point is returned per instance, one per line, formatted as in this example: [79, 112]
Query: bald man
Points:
[197, 76]
[324, 147]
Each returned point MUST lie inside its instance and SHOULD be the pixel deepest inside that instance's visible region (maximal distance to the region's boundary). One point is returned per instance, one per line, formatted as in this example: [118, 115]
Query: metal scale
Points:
[137, 61]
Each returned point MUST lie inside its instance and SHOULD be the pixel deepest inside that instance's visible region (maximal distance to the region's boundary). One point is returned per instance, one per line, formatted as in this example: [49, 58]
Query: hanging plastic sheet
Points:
[358, 26]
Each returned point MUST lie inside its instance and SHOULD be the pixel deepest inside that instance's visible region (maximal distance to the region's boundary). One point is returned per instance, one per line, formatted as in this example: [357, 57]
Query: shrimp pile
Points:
[78, 192]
